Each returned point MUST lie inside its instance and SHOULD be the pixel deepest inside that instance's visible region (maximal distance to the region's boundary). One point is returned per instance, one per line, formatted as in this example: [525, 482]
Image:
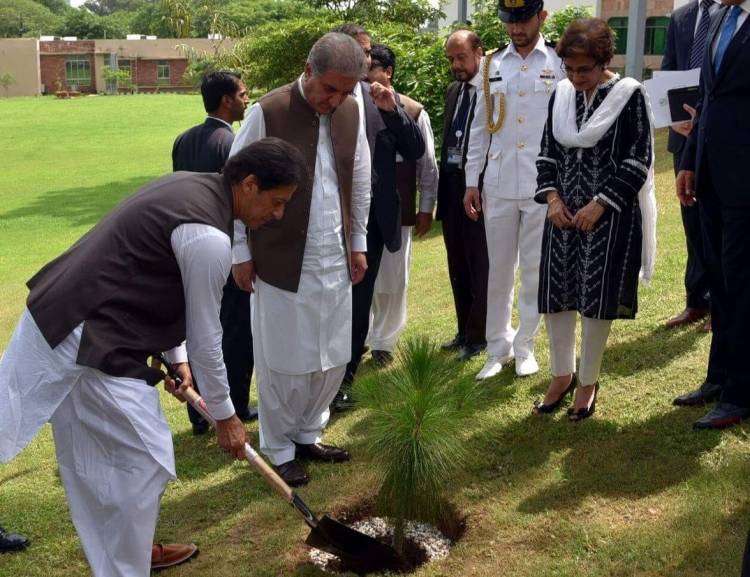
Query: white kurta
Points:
[113, 445]
[388, 312]
[513, 221]
[306, 333]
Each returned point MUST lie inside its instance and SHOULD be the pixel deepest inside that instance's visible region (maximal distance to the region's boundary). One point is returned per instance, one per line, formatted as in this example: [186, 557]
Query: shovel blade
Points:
[360, 552]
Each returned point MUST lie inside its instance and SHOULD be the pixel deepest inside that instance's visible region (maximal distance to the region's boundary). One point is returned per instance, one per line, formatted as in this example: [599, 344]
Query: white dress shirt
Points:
[745, 6]
[527, 85]
[310, 330]
[204, 255]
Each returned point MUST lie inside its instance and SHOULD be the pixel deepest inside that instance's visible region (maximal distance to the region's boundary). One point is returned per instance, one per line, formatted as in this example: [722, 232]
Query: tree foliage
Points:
[106, 7]
[84, 24]
[20, 18]
[413, 13]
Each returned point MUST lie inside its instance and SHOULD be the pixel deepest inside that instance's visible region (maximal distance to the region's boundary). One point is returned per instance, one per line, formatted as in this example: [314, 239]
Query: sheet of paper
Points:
[662, 81]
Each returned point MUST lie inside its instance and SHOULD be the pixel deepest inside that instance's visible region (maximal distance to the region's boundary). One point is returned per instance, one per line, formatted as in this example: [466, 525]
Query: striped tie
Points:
[727, 32]
[701, 35]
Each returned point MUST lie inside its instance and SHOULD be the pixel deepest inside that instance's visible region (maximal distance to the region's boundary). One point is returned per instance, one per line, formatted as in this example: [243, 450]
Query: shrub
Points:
[418, 412]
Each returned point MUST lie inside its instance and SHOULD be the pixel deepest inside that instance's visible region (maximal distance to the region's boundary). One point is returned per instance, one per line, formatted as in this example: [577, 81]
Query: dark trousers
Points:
[236, 346]
[468, 265]
[696, 271]
[727, 252]
[362, 296]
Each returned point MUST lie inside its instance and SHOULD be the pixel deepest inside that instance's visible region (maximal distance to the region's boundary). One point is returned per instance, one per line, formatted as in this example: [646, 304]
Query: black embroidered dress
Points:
[595, 273]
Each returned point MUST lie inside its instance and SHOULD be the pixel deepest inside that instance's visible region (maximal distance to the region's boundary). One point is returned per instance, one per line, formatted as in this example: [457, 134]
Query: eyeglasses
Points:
[580, 71]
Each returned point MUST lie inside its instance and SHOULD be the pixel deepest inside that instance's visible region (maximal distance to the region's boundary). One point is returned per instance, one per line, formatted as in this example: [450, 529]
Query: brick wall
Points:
[612, 8]
[52, 71]
[145, 75]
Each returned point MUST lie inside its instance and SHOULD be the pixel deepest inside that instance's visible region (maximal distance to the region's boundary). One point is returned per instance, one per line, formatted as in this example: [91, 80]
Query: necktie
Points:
[727, 31]
[701, 34]
[459, 121]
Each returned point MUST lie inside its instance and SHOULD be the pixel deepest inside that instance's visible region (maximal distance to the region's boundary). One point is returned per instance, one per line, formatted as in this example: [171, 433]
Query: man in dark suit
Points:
[686, 43]
[465, 240]
[711, 173]
[389, 131]
[205, 148]
[687, 37]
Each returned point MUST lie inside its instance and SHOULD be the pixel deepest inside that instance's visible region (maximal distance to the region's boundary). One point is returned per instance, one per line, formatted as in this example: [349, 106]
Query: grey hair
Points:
[338, 52]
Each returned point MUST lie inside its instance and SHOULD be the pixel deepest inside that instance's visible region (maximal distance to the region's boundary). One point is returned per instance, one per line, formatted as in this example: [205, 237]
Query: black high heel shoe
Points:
[580, 414]
[541, 409]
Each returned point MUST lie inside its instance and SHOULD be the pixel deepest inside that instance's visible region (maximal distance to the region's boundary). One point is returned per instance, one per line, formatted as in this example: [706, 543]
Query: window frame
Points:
[74, 67]
[655, 41]
[161, 80]
[619, 24]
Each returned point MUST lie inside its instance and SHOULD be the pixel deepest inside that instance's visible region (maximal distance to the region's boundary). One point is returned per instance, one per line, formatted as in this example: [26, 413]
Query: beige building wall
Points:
[20, 57]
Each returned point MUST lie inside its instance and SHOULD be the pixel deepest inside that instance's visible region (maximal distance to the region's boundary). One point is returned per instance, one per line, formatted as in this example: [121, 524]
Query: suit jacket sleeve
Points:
[669, 61]
[409, 141]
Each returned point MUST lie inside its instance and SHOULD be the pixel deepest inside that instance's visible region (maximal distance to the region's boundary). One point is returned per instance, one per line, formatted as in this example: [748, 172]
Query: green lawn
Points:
[632, 492]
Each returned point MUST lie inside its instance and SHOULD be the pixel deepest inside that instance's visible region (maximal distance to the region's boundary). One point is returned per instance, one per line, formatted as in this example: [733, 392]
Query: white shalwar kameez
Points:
[302, 340]
[113, 445]
[388, 311]
[513, 221]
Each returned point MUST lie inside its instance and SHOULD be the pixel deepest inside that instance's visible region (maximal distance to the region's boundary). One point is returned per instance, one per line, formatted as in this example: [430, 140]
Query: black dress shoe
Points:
[321, 452]
[539, 406]
[201, 428]
[12, 541]
[382, 358]
[468, 351]
[251, 414]
[706, 393]
[722, 416]
[456, 343]
[293, 473]
[342, 401]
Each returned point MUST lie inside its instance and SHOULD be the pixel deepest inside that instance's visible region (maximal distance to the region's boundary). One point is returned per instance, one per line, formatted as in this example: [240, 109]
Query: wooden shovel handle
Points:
[271, 477]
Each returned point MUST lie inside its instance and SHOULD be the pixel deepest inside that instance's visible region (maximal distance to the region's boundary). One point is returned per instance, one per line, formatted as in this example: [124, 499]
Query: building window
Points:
[126, 65]
[619, 26]
[162, 72]
[77, 71]
[656, 35]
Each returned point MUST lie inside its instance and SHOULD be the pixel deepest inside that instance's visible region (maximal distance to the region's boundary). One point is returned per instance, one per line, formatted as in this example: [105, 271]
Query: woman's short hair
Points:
[273, 162]
[590, 37]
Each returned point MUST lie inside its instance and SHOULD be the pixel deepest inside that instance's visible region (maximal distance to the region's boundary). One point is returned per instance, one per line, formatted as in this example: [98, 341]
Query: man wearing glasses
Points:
[511, 109]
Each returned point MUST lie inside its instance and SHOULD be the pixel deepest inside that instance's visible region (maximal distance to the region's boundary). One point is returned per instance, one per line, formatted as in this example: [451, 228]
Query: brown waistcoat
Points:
[122, 277]
[406, 172]
[278, 247]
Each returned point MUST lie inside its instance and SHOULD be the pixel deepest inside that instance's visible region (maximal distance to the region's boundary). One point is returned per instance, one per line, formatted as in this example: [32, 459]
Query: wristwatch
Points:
[600, 201]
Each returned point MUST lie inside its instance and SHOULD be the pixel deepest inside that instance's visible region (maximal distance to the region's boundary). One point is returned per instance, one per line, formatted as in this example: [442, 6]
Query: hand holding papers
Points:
[659, 88]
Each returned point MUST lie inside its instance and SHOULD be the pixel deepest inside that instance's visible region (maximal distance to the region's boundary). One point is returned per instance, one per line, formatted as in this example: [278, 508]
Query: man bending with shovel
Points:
[145, 279]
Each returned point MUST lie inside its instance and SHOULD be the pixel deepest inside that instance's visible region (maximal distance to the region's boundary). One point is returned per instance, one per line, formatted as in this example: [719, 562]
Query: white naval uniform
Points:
[302, 341]
[113, 445]
[388, 311]
[513, 220]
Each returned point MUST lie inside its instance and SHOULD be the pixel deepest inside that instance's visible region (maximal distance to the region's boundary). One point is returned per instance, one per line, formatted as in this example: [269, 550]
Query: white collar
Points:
[475, 80]
[221, 120]
[538, 47]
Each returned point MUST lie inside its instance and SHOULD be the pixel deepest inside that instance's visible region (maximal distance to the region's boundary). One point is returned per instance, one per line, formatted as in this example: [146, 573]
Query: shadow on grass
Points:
[599, 459]
[663, 345]
[80, 205]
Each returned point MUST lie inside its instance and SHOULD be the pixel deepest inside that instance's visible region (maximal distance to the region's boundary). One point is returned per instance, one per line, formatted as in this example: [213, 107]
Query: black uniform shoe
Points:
[251, 414]
[469, 351]
[706, 393]
[321, 452]
[381, 358]
[293, 473]
[456, 343]
[723, 415]
[12, 541]
[201, 428]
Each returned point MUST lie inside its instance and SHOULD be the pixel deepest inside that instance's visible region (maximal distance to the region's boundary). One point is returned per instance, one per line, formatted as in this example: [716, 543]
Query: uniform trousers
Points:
[388, 312]
[514, 237]
[561, 329]
[113, 445]
[291, 408]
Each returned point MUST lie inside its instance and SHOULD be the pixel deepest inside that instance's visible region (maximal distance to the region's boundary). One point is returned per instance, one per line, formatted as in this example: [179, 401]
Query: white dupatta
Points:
[592, 130]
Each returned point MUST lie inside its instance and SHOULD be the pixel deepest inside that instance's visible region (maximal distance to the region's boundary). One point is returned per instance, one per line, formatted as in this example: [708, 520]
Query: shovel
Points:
[359, 552]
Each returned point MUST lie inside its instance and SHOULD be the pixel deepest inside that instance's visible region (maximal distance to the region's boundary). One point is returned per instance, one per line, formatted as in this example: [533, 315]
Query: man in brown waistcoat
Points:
[306, 264]
[145, 279]
[388, 317]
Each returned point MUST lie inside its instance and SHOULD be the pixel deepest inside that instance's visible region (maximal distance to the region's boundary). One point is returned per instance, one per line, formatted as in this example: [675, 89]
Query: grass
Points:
[632, 492]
